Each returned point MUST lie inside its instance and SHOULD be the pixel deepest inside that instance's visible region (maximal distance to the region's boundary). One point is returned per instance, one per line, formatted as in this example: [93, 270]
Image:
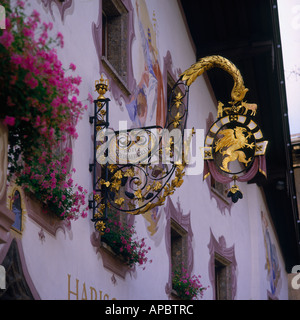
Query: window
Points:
[16, 207]
[222, 269]
[222, 278]
[179, 237]
[178, 246]
[115, 39]
[219, 188]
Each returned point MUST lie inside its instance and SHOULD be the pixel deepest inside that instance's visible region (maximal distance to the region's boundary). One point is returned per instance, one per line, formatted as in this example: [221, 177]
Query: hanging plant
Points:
[123, 241]
[40, 107]
[187, 287]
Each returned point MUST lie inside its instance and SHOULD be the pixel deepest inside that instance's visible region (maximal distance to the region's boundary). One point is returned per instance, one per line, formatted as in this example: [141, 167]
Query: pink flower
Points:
[36, 15]
[59, 35]
[10, 121]
[7, 23]
[74, 100]
[72, 66]
[6, 39]
[61, 39]
[28, 32]
[90, 98]
[16, 59]
[20, 3]
[51, 132]
[48, 26]
[84, 214]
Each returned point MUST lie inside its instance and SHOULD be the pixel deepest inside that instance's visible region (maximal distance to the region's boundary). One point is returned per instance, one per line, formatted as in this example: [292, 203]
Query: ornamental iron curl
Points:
[139, 167]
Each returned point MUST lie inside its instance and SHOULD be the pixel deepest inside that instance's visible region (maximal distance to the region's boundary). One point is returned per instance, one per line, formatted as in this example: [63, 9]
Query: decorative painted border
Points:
[10, 195]
[16, 244]
[127, 89]
[220, 247]
[62, 6]
[185, 222]
[169, 69]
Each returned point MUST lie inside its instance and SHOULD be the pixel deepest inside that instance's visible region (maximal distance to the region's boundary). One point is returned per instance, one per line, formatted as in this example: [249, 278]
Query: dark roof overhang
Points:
[247, 33]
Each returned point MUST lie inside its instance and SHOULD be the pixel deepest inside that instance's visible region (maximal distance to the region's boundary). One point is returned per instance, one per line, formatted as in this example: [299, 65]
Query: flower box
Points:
[113, 261]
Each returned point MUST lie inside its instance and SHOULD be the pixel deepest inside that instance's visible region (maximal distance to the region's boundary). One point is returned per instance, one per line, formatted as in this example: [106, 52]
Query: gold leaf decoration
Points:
[190, 75]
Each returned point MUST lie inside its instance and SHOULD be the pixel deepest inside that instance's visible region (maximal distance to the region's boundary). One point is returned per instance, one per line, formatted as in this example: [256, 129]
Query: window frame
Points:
[13, 200]
[118, 9]
[119, 90]
[225, 256]
[181, 235]
[12, 189]
[222, 274]
[175, 217]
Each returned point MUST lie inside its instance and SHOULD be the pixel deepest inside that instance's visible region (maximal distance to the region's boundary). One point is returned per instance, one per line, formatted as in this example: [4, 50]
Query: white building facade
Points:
[233, 246]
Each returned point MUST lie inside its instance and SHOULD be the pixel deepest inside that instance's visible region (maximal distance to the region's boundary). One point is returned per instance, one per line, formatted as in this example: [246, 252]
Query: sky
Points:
[289, 19]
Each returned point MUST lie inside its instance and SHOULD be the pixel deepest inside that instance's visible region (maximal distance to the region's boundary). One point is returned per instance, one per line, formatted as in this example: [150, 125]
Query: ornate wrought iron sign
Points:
[135, 170]
[234, 145]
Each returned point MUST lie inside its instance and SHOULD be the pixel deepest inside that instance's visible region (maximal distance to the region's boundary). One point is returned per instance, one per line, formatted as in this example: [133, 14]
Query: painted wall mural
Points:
[147, 105]
[149, 99]
[272, 261]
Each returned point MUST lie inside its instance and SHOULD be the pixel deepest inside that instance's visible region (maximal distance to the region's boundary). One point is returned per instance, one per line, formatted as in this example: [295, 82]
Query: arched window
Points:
[16, 207]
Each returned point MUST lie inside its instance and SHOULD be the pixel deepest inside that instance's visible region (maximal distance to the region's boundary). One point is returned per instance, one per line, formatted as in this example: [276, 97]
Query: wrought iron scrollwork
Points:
[139, 167]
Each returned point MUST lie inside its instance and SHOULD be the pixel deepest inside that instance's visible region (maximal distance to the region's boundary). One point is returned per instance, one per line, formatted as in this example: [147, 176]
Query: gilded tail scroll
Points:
[190, 75]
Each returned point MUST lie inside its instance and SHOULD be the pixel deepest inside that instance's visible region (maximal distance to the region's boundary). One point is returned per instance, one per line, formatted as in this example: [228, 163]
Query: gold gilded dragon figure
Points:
[233, 140]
